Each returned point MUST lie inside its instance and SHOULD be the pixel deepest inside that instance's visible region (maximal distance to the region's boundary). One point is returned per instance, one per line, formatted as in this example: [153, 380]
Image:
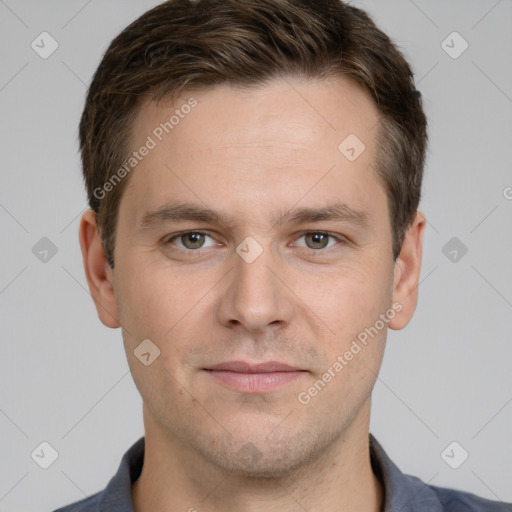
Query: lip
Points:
[245, 367]
[254, 377]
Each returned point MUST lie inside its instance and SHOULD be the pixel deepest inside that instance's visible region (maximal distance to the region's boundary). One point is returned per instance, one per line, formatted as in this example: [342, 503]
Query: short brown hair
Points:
[186, 44]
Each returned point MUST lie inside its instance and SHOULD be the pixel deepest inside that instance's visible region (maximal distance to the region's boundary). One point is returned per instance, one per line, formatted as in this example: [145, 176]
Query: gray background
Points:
[445, 378]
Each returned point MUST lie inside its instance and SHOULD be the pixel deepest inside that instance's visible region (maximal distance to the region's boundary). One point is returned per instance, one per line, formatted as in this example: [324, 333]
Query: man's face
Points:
[285, 296]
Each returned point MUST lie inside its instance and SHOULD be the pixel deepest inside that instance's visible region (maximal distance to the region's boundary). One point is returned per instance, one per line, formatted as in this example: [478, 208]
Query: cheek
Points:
[153, 299]
[170, 308]
[353, 354]
[347, 299]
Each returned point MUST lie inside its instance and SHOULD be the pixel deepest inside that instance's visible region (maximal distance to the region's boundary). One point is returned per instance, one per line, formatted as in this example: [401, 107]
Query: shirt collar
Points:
[402, 493]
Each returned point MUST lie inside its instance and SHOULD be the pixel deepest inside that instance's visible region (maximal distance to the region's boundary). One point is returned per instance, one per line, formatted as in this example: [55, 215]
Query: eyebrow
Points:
[176, 212]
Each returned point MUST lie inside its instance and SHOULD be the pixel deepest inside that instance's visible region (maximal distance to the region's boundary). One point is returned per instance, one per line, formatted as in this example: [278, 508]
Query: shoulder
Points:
[410, 494]
[453, 500]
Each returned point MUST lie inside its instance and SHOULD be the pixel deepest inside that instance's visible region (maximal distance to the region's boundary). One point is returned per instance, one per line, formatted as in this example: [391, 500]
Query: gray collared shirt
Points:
[402, 493]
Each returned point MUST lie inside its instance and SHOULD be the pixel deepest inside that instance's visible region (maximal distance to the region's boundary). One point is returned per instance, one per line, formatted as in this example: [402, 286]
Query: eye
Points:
[190, 240]
[319, 240]
[195, 240]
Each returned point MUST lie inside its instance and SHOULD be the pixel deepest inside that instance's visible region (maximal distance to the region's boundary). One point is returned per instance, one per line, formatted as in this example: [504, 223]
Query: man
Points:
[254, 170]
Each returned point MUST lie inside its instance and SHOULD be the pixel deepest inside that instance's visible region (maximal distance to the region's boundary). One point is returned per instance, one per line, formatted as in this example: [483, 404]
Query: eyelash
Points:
[340, 240]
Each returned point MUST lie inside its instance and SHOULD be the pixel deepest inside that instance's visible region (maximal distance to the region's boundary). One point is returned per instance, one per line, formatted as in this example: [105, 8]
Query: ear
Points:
[407, 272]
[97, 271]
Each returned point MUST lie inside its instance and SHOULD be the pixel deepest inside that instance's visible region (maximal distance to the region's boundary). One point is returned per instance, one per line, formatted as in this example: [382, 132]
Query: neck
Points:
[174, 477]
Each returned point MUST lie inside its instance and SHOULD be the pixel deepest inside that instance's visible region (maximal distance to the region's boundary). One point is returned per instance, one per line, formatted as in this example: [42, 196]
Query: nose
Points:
[256, 297]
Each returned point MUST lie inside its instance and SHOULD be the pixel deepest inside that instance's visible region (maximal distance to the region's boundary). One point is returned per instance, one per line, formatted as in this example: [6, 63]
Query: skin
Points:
[248, 154]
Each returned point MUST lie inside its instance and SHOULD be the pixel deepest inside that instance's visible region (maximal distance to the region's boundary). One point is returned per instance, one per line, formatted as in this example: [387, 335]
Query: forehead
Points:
[291, 136]
[337, 105]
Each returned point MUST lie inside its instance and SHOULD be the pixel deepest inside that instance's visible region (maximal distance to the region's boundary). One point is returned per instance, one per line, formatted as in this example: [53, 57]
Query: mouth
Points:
[254, 378]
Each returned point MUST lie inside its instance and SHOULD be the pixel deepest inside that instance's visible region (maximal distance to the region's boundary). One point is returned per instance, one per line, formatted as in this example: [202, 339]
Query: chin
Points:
[267, 467]
[263, 459]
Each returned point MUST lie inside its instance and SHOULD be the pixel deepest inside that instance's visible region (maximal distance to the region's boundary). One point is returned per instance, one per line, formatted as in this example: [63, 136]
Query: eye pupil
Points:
[196, 239]
[318, 238]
